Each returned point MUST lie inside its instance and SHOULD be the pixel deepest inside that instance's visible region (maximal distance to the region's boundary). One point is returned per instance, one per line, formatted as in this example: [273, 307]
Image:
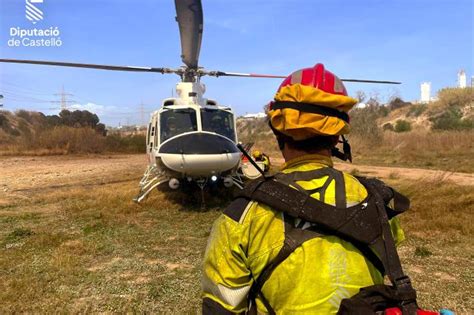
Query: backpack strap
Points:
[358, 222]
[362, 225]
[294, 237]
[385, 245]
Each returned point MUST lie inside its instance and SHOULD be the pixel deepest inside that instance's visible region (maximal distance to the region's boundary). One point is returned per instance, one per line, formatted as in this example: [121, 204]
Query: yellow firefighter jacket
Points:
[313, 279]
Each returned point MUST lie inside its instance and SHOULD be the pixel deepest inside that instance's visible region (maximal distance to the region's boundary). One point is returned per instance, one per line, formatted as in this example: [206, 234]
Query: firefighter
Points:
[308, 117]
[262, 157]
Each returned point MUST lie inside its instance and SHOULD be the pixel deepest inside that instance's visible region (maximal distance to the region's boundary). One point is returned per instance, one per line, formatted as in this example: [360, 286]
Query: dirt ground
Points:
[408, 174]
[20, 173]
[23, 174]
[72, 240]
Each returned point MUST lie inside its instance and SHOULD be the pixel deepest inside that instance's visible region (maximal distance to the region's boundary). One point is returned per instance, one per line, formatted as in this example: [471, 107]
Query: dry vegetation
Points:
[78, 132]
[444, 150]
[439, 135]
[85, 247]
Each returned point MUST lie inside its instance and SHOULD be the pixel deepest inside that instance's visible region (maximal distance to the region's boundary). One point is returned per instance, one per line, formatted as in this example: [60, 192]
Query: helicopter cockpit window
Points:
[177, 121]
[218, 121]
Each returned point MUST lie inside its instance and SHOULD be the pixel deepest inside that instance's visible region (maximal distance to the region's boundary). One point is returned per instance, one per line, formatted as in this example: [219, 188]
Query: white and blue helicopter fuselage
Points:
[191, 139]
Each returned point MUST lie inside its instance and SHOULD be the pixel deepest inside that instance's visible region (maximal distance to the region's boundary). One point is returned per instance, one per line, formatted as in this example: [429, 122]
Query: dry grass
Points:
[438, 253]
[85, 250]
[443, 150]
[448, 150]
[78, 249]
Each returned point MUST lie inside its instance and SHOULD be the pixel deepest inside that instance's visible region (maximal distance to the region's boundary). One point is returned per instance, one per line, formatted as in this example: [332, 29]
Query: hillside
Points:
[438, 135]
[453, 109]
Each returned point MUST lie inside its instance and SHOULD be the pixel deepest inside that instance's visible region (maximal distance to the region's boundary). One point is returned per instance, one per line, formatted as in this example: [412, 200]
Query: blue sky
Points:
[406, 40]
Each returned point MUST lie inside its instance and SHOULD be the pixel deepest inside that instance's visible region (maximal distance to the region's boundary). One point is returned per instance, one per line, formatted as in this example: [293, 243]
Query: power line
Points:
[64, 101]
[22, 89]
[9, 95]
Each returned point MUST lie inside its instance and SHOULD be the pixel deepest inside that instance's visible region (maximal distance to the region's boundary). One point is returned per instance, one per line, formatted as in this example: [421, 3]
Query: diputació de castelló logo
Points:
[37, 36]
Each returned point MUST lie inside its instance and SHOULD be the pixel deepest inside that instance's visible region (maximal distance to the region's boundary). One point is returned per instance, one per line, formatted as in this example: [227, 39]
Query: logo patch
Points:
[32, 12]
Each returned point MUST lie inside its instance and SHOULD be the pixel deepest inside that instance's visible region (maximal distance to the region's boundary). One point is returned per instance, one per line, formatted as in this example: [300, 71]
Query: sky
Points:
[411, 41]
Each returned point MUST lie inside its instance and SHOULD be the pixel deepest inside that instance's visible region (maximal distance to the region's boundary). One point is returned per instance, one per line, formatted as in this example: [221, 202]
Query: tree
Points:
[360, 96]
[397, 102]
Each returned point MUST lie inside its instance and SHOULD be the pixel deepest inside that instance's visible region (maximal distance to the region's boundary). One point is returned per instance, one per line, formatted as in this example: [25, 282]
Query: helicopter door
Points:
[151, 135]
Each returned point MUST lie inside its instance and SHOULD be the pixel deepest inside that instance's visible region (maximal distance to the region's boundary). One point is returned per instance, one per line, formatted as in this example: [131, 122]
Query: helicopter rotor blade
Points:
[168, 70]
[270, 76]
[237, 74]
[93, 66]
[371, 81]
[190, 19]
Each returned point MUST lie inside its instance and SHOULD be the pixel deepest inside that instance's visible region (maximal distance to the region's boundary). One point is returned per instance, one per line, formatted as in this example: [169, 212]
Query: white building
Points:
[257, 115]
[425, 92]
[462, 79]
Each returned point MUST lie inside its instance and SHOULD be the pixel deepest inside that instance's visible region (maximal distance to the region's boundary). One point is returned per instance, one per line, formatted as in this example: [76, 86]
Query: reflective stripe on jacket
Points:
[313, 279]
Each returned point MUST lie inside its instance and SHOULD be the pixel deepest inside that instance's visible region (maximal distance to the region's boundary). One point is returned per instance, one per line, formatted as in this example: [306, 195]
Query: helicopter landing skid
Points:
[201, 182]
[152, 178]
[238, 181]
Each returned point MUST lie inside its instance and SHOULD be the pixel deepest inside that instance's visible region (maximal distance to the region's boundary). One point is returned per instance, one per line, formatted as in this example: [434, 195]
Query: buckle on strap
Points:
[403, 282]
[405, 291]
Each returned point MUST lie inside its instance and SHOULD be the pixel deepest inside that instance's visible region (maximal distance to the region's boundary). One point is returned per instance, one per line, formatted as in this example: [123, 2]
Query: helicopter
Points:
[190, 139]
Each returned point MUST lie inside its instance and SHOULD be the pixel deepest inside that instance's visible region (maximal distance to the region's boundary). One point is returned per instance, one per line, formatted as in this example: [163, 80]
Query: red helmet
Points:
[310, 102]
[317, 77]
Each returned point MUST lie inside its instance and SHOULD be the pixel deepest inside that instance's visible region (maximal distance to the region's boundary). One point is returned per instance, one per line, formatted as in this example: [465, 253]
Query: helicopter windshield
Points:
[177, 121]
[218, 121]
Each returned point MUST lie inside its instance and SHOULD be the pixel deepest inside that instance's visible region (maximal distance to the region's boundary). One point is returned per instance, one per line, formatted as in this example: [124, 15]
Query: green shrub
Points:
[402, 126]
[451, 119]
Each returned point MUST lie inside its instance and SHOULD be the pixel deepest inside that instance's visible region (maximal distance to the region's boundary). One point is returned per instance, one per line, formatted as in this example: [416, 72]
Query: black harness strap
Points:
[294, 237]
[390, 258]
[350, 223]
[340, 190]
[363, 225]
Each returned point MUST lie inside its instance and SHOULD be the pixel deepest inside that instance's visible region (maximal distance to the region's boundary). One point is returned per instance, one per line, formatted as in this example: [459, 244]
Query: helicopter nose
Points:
[198, 143]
